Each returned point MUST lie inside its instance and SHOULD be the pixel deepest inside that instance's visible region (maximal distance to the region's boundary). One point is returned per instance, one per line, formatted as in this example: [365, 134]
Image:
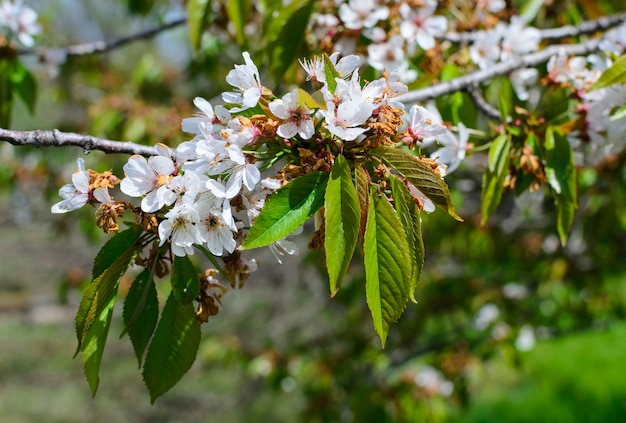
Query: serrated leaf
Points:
[93, 345]
[287, 209]
[342, 222]
[409, 215]
[99, 293]
[173, 348]
[331, 73]
[420, 175]
[24, 85]
[495, 174]
[387, 270]
[141, 312]
[363, 194]
[113, 248]
[286, 48]
[561, 175]
[615, 74]
[185, 281]
[238, 12]
[198, 13]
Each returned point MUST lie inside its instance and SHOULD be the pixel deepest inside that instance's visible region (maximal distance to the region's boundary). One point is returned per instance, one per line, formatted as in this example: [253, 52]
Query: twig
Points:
[473, 78]
[584, 28]
[56, 138]
[103, 46]
[482, 105]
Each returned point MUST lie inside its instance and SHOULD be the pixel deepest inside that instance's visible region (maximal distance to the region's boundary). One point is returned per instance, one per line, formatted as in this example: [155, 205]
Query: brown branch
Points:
[103, 46]
[56, 138]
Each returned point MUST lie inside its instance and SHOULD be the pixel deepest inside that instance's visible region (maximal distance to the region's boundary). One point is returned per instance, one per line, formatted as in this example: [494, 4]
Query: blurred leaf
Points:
[420, 175]
[495, 174]
[141, 7]
[561, 175]
[619, 114]
[113, 249]
[141, 312]
[286, 47]
[25, 85]
[6, 93]
[287, 209]
[342, 222]
[173, 348]
[530, 9]
[616, 74]
[238, 13]
[94, 342]
[409, 215]
[185, 281]
[198, 14]
[387, 268]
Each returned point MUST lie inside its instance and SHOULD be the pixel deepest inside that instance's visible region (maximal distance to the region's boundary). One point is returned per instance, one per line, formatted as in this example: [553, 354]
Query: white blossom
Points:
[76, 194]
[180, 229]
[21, 21]
[344, 120]
[247, 83]
[420, 26]
[295, 114]
[357, 14]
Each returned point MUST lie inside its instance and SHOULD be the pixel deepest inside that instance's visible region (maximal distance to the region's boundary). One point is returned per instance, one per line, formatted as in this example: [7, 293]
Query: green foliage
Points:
[198, 12]
[495, 174]
[6, 93]
[287, 209]
[387, 265]
[615, 74]
[185, 281]
[24, 85]
[141, 312]
[93, 344]
[421, 175]
[173, 348]
[238, 12]
[561, 175]
[342, 222]
[113, 249]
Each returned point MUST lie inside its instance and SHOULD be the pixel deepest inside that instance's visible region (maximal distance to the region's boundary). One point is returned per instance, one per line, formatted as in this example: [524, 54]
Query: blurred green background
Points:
[509, 327]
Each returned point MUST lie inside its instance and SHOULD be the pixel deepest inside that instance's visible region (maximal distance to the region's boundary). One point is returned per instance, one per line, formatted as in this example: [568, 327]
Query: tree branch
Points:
[587, 27]
[482, 105]
[463, 82]
[56, 138]
[102, 46]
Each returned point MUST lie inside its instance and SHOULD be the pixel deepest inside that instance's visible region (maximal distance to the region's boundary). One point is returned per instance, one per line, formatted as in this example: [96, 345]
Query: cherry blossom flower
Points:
[206, 117]
[21, 21]
[344, 120]
[517, 38]
[423, 126]
[357, 14]
[247, 82]
[344, 66]
[390, 56]
[76, 194]
[420, 26]
[453, 149]
[180, 229]
[295, 114]
[485, 50]
[215, 231]
[151, 178]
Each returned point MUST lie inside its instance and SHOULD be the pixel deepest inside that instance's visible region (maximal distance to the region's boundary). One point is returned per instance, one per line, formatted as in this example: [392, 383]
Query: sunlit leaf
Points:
[94, 342]
[198, 13]
[561, 175]
[238, 12]
[387, 268]
[287, 209]
[409, 215]
[113, 248]
[362, 181]
[185, 281]
[330, 73]
[421, 175]
[173, 348]
[615, 74]
[342, 222]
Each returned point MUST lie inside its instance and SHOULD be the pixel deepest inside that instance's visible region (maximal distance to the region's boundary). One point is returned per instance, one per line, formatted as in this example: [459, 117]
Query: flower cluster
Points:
[19, 21]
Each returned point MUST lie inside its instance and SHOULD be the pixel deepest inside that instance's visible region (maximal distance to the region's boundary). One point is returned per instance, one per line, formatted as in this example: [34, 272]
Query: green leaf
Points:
[24, 85]
[363, 194]
[616, 74]
[142, 7]
[409, 215]
[618, 114]
[93, 344]
[173, 348]
[185, 281]
[330, 73]
[113, 248]
[420, 175]
[387, 268]
[6, 93]
[342, 222]
[141, 312]
[198, 13]
[561, 175]
[495, 174]
[285, 48]
[287, 209]
[98, 295]
[238, 12]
